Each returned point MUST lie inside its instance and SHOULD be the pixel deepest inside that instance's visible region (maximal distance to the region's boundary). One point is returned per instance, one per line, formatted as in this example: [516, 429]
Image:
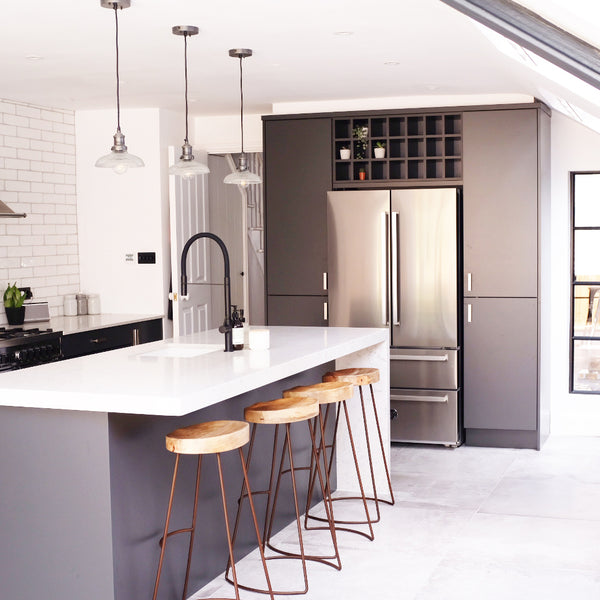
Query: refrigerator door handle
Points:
[385, 252]
[440, 358]
[395, 270]
[407, 398]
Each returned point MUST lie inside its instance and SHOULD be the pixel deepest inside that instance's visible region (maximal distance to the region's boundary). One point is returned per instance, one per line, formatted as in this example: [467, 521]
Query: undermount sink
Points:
[184, 350]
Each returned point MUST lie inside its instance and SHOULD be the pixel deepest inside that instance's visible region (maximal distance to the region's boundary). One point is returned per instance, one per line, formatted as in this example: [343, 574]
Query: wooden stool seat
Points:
[208, 438]
[282, 411]
[364, 376]
[328, 392]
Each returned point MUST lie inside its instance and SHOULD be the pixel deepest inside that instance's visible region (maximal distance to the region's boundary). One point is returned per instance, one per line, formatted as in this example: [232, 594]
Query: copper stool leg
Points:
[315, 470]
[392, 500]
[368, 519]
[270, 509]
[191, 530]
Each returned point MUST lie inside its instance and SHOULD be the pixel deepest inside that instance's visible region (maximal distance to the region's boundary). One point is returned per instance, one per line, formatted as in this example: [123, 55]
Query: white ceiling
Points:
[297, 55]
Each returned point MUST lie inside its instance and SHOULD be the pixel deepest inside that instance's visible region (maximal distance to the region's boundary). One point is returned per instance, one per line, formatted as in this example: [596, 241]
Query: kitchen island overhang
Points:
[85, 472]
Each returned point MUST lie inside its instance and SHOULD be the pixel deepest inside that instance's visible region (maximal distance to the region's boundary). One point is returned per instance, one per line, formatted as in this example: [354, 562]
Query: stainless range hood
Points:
[6, 212]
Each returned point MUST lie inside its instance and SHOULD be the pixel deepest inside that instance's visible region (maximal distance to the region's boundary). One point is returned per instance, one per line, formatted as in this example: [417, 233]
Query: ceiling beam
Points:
[531, 31]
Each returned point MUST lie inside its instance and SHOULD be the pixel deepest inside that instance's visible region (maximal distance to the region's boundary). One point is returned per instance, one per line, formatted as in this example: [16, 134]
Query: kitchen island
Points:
[84, 470]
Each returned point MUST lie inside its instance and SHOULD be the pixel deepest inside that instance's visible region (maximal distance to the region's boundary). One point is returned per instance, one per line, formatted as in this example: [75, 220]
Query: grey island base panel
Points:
[86, 508]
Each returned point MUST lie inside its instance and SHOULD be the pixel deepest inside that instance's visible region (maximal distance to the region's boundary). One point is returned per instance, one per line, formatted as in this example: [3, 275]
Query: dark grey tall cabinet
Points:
[505, 192]
[297, 155]
[500, 155]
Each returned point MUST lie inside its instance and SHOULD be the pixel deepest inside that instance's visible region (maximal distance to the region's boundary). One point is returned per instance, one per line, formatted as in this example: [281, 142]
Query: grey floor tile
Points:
[469, 523]
[481, 580]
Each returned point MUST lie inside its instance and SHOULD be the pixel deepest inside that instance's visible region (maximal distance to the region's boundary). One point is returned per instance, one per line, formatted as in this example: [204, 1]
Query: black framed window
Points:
[585, 282]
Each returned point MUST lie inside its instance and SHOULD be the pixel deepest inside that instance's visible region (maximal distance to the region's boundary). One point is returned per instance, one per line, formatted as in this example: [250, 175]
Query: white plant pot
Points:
[379, 152]
[345, 153]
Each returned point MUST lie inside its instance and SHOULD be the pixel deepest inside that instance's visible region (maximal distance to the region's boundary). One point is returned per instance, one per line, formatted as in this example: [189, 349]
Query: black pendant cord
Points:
[117, 54]
[185, 37]
[242, 104]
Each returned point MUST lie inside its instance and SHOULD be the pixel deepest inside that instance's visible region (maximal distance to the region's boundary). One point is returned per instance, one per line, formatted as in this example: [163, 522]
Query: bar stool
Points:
[212, 437]
[360, 377]
[328, 394]
[285, 411]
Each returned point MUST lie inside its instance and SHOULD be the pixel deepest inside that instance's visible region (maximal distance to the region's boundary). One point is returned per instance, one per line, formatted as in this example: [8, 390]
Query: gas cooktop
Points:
[19, 332]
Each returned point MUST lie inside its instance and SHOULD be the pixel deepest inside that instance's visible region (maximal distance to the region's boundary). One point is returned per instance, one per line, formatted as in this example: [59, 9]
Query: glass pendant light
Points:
[187, 166]
[241, 176]
[119, 160]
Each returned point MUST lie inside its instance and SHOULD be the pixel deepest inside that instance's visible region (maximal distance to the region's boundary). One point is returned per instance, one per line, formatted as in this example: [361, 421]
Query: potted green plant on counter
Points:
[13, 305]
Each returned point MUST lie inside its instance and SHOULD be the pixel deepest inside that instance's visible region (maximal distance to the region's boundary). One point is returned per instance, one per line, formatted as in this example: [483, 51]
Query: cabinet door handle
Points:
[469, 313]
[135, 336]
[98, 340]
[469, 282]
[324, 281]
[325, 315]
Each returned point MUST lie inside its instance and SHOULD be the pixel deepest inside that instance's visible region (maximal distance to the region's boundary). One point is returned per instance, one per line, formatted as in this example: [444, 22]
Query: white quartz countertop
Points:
[81, 323]
[170, 377]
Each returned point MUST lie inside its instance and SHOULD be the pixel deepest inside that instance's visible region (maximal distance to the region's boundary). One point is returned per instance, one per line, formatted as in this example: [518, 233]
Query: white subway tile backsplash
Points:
[29, 176]
[16, 142]
[28, 132]
[37, 176]
[41, 145]
[9, 108]
[24, 110]
[18, 186]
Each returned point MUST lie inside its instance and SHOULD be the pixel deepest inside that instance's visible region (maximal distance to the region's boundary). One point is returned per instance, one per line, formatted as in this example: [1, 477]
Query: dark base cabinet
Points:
[111, 338]
[500, 361]
[306, 311]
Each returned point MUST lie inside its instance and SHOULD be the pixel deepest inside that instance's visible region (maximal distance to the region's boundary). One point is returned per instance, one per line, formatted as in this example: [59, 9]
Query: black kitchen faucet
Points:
[227, 324]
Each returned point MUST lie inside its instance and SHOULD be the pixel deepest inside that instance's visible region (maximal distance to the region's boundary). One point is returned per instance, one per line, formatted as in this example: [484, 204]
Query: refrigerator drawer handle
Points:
[442, 358]
[433, 399]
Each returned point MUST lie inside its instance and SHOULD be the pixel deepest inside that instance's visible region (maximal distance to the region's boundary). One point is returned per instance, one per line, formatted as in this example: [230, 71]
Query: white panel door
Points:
[189, 215]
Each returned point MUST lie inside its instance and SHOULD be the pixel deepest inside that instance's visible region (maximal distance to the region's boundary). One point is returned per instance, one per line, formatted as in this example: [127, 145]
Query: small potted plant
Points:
[362, 173]
[13, 305]
[379, 150]
[344, 153]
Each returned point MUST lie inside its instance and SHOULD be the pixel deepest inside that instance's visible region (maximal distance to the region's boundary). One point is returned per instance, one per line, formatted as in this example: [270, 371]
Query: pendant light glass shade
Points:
[119, 160]
[241, 176]
[187, 166]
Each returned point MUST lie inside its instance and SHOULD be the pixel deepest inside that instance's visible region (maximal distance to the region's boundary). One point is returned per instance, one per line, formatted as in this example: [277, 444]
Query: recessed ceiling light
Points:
[343, 32]
[391, 63]
[34, 57]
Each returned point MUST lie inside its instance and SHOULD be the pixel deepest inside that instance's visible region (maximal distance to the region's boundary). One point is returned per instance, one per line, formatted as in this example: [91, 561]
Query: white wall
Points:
[37, 176]
[218, 135]
[574, 148]
[125, 214]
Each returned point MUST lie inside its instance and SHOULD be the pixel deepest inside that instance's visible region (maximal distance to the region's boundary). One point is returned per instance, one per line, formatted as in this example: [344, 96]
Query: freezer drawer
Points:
[419, 368]
[426, 416]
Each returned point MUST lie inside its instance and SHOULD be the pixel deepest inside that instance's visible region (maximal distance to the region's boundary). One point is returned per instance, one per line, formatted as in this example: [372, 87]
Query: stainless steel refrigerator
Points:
[393, 260]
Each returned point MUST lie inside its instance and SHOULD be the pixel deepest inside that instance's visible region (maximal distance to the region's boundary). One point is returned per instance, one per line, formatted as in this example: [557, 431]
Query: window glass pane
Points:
[587, 200]
[587, 254]
[586, 317]
[586, 366]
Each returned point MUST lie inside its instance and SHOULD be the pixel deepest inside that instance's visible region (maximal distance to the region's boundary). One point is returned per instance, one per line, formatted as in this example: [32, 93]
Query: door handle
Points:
[325, 281]
[420, 357]
[395, 267]
[384, 291]
[431, 399]
[469, 282]
[469, 313]
[325, 311]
